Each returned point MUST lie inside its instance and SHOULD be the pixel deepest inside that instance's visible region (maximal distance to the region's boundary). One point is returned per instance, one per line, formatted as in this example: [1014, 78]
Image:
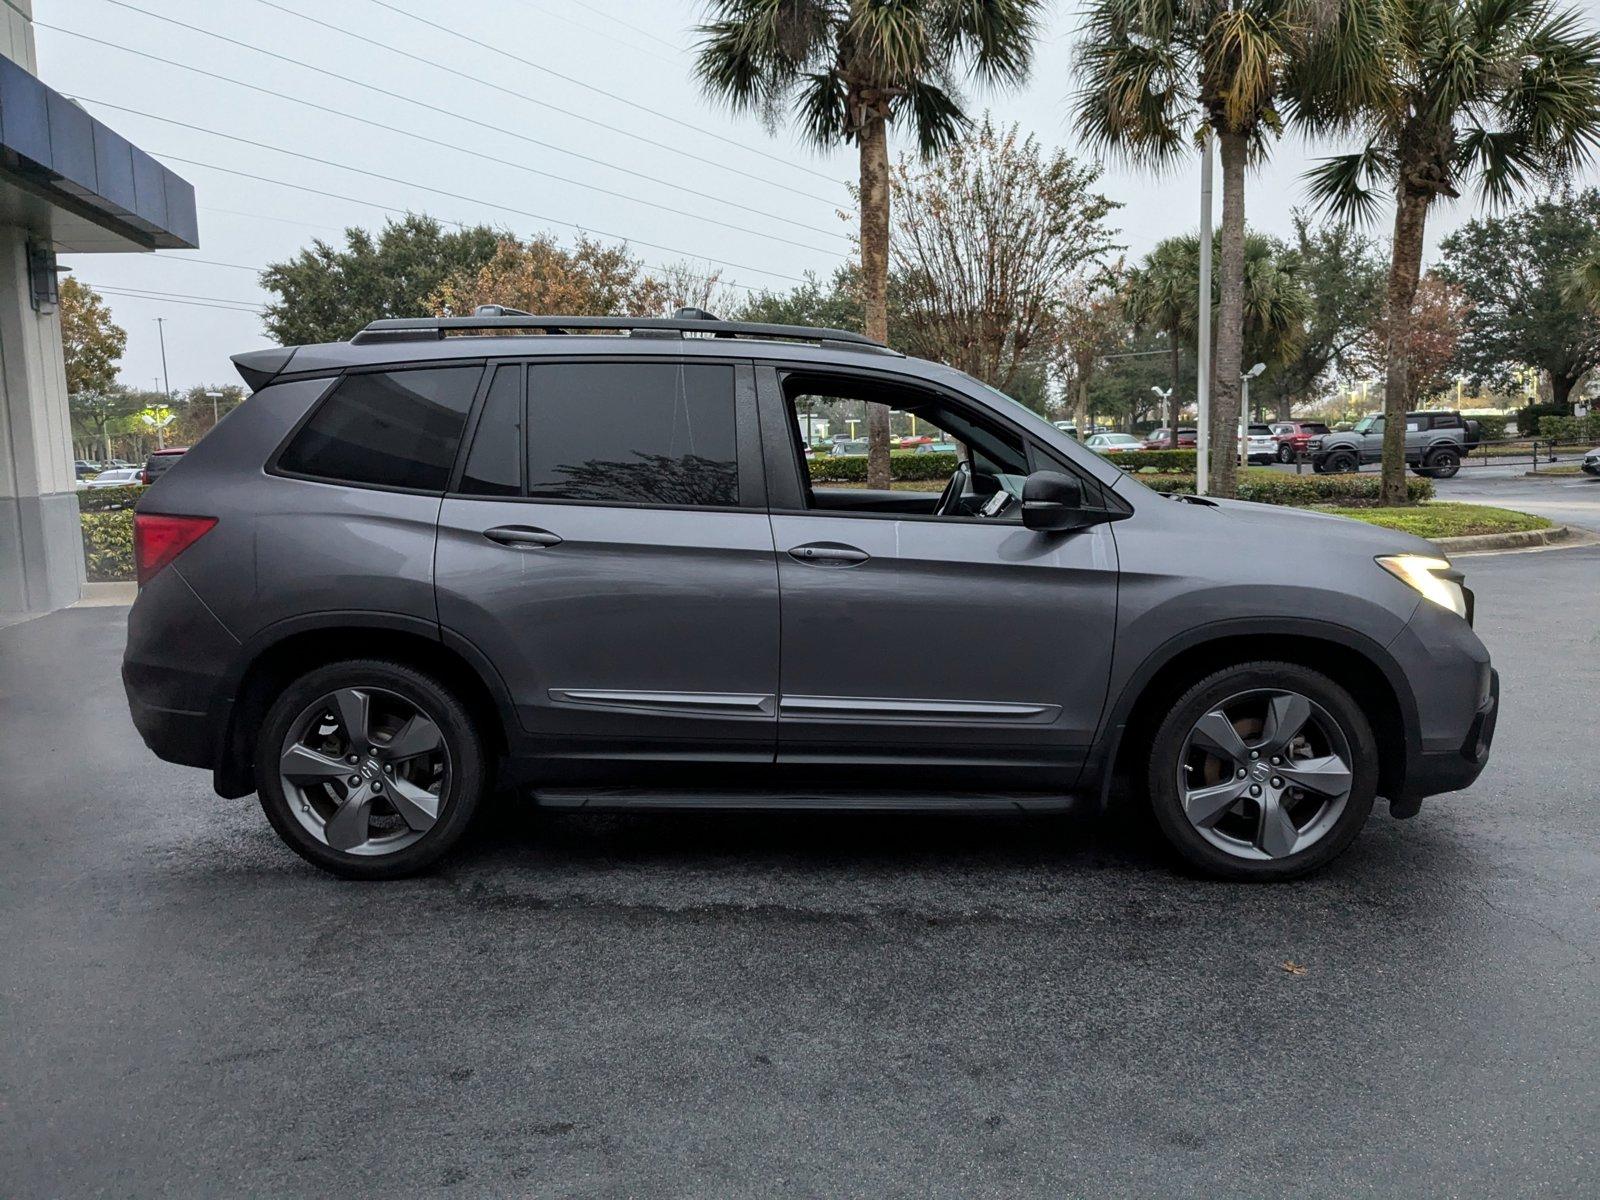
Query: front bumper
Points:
[1435, 771]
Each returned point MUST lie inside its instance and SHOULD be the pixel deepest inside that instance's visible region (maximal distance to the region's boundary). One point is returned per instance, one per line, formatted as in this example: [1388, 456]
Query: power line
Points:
[654, 143]
[600, 12]
[234, 212]
[300, 187]
[522, 212]
[576, 82]
[446, 145]
[562, 17]
[217, 302]
[464, 150]
[209, 262]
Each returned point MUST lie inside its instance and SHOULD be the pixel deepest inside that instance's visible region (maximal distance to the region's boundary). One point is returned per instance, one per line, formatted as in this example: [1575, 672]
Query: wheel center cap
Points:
[370, 769]
[1259, 771]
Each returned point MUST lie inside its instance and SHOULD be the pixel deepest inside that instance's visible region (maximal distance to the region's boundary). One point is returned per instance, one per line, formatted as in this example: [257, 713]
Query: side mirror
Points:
[1053, 501]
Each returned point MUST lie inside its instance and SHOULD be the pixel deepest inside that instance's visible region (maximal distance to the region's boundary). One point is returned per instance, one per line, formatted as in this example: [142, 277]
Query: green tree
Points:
[1515, 271]
[91, 342]
[988, 241]
[1151, 71]
[96, 415]
[1160, 296]
[850, 68]
[325, 294]
[1342, 272]
[537, 275]
[1504, 92]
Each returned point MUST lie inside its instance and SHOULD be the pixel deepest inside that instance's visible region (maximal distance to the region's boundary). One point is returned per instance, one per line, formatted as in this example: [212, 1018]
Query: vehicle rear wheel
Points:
[1285, 453]
[369, 769]
[1442, 463]
[1263, 771]
[1341, 462]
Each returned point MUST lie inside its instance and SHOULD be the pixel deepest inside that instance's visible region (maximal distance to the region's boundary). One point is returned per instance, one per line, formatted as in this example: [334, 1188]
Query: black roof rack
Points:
[490, 318]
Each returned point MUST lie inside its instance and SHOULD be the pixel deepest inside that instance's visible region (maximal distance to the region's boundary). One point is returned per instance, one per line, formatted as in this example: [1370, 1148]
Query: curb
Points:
[1526, 539]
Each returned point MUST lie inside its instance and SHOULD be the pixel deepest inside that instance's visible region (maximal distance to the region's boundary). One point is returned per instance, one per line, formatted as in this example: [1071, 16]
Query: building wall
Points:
[41, 551]
[16, 33]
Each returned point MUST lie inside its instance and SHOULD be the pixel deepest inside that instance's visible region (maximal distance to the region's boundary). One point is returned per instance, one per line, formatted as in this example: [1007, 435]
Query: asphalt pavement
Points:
[807, 1005]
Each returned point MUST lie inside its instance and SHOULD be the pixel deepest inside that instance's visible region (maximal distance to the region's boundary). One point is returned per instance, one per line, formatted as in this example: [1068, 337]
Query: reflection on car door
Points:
[618, 570]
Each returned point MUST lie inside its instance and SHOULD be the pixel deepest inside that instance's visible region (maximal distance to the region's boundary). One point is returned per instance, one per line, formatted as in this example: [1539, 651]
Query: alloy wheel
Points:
[365, 771]
[1265, 774]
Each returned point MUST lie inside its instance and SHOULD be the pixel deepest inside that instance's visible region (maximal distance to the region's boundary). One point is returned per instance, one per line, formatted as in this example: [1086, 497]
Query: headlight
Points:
[1430, 576]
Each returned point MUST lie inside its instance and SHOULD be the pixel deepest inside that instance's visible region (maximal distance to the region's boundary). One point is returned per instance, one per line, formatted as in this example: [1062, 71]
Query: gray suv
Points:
[585, 558]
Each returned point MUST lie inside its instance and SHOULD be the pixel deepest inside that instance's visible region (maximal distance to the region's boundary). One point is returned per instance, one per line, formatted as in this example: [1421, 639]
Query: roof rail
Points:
[490, 318]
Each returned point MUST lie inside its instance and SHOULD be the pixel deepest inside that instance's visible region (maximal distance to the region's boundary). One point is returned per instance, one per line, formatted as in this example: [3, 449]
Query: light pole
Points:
[1202, 368]
[1166, 394]
[1244, 412]
[161, 333]
[214, 397]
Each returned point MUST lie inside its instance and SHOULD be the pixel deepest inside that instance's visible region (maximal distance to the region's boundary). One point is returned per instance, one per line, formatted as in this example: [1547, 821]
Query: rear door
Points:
[606, 546]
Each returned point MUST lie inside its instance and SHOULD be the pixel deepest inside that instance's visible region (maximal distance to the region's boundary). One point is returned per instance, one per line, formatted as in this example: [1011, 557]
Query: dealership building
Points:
[68, 184]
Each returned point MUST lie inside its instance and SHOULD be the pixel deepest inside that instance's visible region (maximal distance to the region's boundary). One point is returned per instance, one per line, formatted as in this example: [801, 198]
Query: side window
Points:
[638, 433]
[494, 464]
[389, 428]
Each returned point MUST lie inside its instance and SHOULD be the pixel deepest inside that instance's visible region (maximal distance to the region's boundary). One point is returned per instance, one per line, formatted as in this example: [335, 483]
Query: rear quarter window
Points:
[387, 429]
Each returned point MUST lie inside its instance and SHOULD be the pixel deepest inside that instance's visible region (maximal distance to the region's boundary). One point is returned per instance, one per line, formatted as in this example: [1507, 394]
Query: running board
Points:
[705, 799]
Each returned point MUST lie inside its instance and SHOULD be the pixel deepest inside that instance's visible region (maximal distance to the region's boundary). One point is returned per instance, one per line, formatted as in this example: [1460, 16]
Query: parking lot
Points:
[798, 1004]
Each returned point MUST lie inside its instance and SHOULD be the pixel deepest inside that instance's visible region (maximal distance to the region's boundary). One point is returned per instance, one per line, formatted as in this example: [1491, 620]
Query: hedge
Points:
[1571, 430]
[903, 465]
[108, 545]
[109, 499]
[1300, 490]
[1531, 418]
[1490, 428]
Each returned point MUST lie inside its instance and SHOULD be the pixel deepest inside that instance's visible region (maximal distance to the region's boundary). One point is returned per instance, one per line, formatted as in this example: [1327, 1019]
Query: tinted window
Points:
[494, 465]
[393, 428]
[645, 433]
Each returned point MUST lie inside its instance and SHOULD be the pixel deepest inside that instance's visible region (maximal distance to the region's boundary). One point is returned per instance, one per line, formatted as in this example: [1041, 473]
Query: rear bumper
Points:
[174, 734]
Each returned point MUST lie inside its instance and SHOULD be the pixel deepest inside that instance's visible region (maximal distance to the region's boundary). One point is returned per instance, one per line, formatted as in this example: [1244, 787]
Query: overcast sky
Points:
[627, 104]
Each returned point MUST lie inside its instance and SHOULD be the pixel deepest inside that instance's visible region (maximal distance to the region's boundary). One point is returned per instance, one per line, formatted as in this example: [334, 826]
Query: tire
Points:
[1285, 453]
[1442, 462]
[416, 805]
[1241, 840]
[1341, 462]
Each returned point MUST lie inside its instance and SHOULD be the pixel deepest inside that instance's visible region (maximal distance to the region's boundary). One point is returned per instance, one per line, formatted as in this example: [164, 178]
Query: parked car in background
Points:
[1259, 444]
[1591, 462]
[1294, 437]
[118, 477]
[937, 448]
[1067, 427]
[1161, 439]
[160, 462]
[850, 448]
[1113, 443]
[1436, 442]
[83, 467]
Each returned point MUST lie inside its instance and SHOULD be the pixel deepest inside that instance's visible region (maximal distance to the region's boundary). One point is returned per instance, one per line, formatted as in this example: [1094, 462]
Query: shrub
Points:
[1571, 430]
[108, 545]
[1161, 460]
[1271, 487]
[109, 499]
[1530, 418]
[1490, 428]
[904, 465]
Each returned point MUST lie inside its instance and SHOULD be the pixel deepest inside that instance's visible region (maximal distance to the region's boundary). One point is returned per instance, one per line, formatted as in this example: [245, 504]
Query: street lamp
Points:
[1244, 411]
[1202, 361]
[214, 397]
[1166, 394]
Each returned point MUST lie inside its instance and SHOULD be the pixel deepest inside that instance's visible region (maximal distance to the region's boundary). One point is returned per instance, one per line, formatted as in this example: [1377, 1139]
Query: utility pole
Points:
[1202, 391]
[162, 334]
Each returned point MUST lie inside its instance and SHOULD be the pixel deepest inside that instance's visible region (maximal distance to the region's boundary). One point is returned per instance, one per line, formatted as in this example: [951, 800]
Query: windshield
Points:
[1365, 424]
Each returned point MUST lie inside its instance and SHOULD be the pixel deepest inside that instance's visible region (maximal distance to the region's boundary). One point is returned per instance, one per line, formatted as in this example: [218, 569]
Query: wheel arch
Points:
[1357, 663]
[267, 662]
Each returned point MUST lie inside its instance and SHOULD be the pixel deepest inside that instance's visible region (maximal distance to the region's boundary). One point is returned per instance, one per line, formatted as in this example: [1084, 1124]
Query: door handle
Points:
[828, 554]
[521, 536]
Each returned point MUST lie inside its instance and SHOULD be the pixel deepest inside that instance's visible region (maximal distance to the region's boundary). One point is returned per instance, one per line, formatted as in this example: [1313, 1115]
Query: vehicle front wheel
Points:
[1442, 463]
[1342, 462]
[369, 769]
[1263, 771]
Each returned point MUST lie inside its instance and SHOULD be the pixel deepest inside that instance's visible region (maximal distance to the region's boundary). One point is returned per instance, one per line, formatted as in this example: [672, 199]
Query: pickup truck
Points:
[1435, 444]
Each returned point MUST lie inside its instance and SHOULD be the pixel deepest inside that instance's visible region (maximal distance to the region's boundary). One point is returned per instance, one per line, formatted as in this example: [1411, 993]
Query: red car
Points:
[159, 461]
[1294, 437]
[1161, 439]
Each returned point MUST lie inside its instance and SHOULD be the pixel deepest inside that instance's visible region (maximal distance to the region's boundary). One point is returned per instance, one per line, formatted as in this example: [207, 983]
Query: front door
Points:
[606, 548]
[933, 631]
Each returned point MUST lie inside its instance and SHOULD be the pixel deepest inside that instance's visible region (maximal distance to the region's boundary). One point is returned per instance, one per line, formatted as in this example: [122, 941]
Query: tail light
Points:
[159, 538]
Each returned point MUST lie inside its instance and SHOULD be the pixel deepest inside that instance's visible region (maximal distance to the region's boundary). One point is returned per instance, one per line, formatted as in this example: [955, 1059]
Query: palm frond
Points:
[996, 36]
[1350, 187]
[936, 117]
[1505, 162]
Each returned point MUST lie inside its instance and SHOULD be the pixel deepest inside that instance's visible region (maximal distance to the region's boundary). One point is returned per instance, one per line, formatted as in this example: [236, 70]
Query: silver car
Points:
[593, 566]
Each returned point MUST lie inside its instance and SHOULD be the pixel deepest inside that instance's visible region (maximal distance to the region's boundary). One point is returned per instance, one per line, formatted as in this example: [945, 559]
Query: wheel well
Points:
[275, 666]
[1351, 670]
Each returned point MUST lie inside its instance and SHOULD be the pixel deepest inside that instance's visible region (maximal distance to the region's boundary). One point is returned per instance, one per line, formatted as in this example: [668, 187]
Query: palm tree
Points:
[850, 68]
[1506, 92]
[1151, 71]
[1161, 295]
[1583, 283]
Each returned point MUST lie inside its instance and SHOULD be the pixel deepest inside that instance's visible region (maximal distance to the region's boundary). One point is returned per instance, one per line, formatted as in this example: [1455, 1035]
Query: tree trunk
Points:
[875, 278]
[1230, 320]
[1561, 390]
[1174, 405]
[1405, 272]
